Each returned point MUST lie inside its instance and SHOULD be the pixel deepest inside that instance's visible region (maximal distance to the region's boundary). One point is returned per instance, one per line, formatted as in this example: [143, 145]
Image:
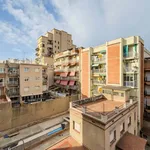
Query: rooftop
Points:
[101, 109]
[131, 142]
[68, 144]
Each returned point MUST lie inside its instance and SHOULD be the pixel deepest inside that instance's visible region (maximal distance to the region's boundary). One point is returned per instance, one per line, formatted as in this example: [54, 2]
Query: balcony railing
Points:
[74, 69]
[13, 83]
[99, 60]
[74, 87]
[15, 72]
[147, 79]
[147, 92]
[37, 49]
[95, 92]
[130, 55]
[1, 84]
[130, 69]
[102, 70]
[13, 93]
[130, 83]
[99, 82]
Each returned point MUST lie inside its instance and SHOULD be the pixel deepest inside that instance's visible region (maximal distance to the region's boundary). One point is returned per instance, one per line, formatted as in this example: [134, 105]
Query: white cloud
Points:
[91, 22]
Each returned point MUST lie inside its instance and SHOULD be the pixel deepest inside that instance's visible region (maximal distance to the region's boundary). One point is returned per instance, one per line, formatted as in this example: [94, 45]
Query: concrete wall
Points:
[28, 113]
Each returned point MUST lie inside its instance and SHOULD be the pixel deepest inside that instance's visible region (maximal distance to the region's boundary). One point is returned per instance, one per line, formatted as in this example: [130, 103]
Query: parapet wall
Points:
[28, 113]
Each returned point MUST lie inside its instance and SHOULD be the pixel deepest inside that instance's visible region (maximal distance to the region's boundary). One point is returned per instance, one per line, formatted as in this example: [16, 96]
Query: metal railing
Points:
[130, 69]
[13, 82]
[99, 82]
[130, 83]
[102, 116]
[97, 60]
[103, 70]
[130, 55]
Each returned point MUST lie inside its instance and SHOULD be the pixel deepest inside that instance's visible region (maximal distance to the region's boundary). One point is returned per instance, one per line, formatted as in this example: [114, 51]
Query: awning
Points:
[103, 51]
[71, 83]
[72, 74]
[63, 82]
[64, 74]
[58, 81]
[95, 65]
[129, 142]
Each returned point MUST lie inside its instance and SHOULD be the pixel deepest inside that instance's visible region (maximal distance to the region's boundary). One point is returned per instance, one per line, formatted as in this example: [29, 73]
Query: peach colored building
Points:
[67, 71]
[51, 43]
[117, 63]
[24, 81]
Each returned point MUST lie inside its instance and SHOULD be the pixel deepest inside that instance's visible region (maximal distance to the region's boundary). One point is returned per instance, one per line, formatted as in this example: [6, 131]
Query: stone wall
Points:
[28, 113]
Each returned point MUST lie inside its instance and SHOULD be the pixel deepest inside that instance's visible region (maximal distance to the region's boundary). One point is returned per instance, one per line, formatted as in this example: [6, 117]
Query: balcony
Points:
[147, 79]
[74, 69]
[49, 45]
[13, 94]
[97, 82]
[57, 63]
[130, 55]
[1, 84]
[37, 49]
[95, 92]
[102, 70]
[74, 78]
[130, 69]
[57, 77]
[45, 82]
[100, 60]
[13, 73]
[130, 83]
[13, 83]
[37, 54]
[74, 87]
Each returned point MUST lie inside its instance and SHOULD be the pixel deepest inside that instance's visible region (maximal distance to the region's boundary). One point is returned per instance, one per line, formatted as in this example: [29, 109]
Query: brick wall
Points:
[113, 67]
[85, 74]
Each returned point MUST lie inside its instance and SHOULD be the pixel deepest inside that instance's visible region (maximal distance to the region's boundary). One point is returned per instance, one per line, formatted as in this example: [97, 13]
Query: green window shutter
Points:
[135, 48]
[125, 50]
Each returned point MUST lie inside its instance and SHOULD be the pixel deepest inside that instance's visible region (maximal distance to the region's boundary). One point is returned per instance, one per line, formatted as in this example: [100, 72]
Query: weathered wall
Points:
[28, 113]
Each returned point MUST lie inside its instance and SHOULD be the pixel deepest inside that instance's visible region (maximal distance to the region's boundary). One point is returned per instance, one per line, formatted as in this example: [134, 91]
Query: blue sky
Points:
[91, 22]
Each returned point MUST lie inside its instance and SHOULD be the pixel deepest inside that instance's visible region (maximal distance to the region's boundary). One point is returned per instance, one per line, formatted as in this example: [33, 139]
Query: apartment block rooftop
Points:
[101, 109]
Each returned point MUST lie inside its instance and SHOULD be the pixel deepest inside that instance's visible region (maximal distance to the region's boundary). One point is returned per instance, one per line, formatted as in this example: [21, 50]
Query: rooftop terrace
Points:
[101, 109]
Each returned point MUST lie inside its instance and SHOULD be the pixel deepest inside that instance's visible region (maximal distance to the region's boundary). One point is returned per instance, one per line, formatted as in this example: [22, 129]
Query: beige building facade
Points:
[51, 43]
[97, 123]
[118, 62]
[24, 81]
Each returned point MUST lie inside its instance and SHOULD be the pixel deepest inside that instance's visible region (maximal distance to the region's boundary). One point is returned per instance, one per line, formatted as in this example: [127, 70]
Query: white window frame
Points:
[112, 136]
[76, 126]
[26, 69]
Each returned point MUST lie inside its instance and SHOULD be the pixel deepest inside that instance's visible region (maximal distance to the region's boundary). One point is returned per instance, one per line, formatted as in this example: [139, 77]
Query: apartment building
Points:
[51, 43]
[147, 87]
[2, 81]
[67, 71]
[117, 63]
[24, 81]
[98, 123]
[31, 82]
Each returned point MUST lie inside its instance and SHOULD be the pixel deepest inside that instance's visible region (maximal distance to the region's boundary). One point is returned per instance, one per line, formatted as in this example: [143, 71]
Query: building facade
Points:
[67, 71]
[51, 43]
[117, 63]
[24, 81]
[98, 123]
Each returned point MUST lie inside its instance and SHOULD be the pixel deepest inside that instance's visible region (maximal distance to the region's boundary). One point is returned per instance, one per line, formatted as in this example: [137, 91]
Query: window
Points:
[26, 69]
[76, 126]
[43, 45]
[112, 137]
[122, 128]
[37, 70]
[116, 93]
[26, 79]
[129, 121]
[122, 94]
[55, 41]
[55, 46]
[26, 89]
[58, 42]
[2, 70]
[58, 47]
[1, 81]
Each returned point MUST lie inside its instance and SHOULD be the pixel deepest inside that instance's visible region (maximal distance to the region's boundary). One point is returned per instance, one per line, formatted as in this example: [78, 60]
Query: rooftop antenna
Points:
[24, 54]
